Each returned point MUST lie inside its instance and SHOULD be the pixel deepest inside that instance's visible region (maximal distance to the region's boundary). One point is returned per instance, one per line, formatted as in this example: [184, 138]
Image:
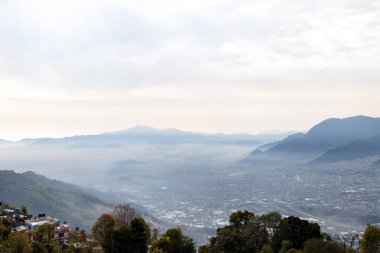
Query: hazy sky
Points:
[88, 66]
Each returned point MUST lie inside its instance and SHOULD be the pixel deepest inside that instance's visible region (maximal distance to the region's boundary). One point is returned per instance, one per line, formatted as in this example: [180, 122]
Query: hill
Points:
[52, 197]
[325, 136]
[353, 150]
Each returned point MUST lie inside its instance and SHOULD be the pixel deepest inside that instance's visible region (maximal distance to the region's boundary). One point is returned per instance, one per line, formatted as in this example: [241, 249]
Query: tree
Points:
[77, 236]
[271, 221]
[157, 250]
[244, 234]
[286, 246]
[123, 212]
[4, 231]
[239, 219]
[266, 249]
[255, 236]
[38, 247]
[103, 232]
[163, 244]
[188, 245]
[318, 245]
[204, 249]
[297, 231]
[173, 241]
[226, 240]
[44, 233]
[293, 250]
[370, 242]
[123, 239]
[24, 210]
[5, 228]
[18, 243]
[140, 235]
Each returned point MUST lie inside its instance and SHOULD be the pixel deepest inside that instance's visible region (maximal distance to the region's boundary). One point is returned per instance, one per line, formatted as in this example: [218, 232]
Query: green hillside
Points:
[41, 196]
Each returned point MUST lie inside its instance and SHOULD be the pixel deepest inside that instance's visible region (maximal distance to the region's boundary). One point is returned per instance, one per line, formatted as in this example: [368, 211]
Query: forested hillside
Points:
[41, 196]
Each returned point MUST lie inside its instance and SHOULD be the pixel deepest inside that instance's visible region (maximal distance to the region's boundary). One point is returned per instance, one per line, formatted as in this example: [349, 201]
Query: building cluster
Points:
[25, 223]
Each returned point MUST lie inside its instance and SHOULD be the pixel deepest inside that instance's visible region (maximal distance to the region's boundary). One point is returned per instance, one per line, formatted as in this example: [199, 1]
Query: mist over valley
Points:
[195, 180]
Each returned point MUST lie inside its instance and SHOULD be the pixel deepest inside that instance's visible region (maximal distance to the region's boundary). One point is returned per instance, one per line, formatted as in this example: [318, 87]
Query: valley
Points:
[341, 197]
[195, 181]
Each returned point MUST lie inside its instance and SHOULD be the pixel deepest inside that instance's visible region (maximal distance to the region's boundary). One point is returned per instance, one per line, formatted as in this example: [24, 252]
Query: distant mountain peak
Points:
[146, 130]
[141, 128]
[138, 129]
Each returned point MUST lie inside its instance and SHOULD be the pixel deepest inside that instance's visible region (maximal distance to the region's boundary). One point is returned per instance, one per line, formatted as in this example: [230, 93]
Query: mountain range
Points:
[329, 141]
[146, 134]
[186, 184]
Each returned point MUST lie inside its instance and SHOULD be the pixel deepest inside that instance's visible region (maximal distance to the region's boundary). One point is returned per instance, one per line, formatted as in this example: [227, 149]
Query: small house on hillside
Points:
[60, 232]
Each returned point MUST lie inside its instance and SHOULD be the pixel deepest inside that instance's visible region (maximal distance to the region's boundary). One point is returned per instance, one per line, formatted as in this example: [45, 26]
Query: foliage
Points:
[318, 245]
[286, 246]
[24, 210]
[204, 249]
[18, 243]
[240, 219]
[266, 249]
[272, 221]
[121, 237]
[293, 250]
[77, 235]
[370, 242]
[249, 233]
[244, 234]
[5, 230]
[103, 232]
[173, 241]
[44, 233]
[38, 247]
[140, 235]
[297, 231]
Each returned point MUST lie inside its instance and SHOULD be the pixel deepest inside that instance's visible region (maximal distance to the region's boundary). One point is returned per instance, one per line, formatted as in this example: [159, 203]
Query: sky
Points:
[89, 66]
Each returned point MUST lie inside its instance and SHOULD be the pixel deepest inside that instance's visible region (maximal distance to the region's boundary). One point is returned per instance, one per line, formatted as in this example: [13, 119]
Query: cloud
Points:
[142, 56]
